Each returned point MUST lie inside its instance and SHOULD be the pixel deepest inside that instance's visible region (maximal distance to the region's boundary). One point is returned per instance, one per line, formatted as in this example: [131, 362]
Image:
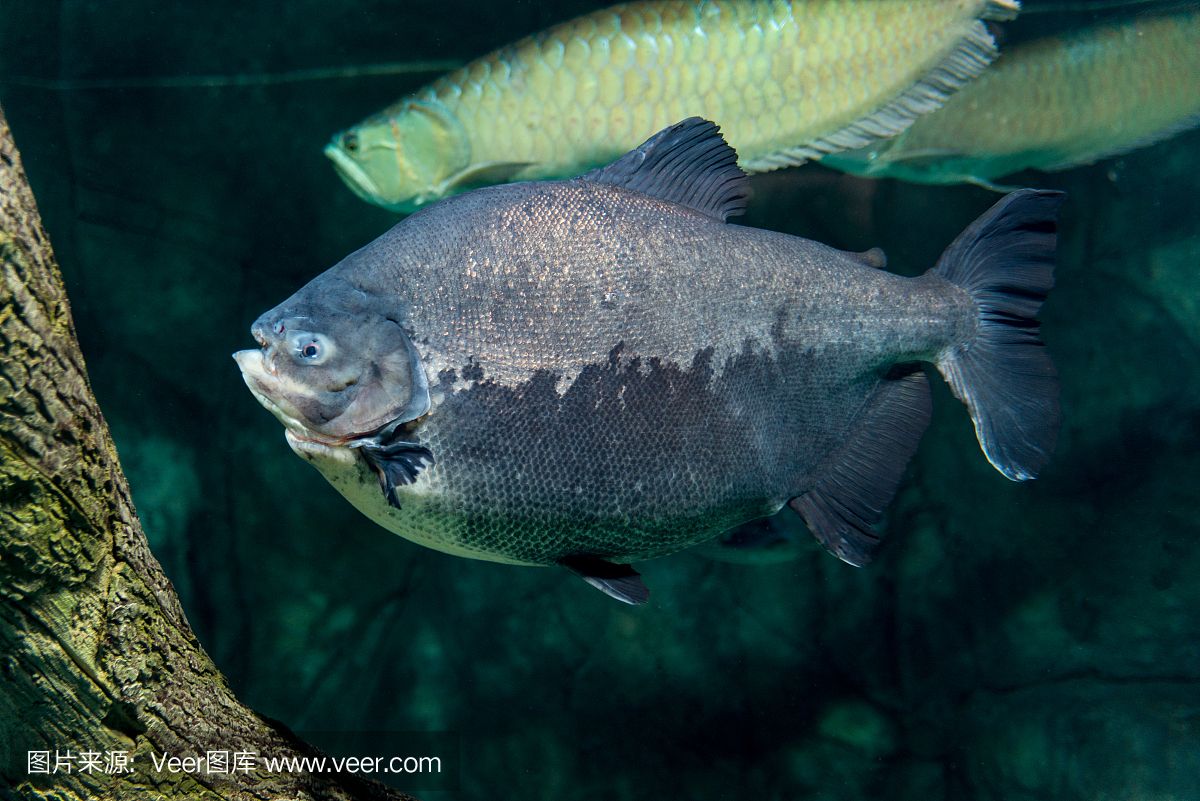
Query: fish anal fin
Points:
[688, 163]
[960, 66]
[614, 580]
[861, 477]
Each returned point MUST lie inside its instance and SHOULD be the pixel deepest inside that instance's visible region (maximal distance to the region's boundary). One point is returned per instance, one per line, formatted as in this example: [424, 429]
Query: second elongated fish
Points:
[791, 80]
[1054, 103]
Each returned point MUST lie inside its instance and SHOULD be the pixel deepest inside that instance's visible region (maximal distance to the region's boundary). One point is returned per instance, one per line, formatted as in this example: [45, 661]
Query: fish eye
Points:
[311, 349]
[350, 142]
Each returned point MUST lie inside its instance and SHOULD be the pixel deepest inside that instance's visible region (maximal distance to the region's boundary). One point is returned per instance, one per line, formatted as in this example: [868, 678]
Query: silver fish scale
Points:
[618, 376]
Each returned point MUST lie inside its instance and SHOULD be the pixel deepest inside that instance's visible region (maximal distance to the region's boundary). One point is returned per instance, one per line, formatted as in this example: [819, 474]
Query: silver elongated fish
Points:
[1054, 103]
[600, 370]
[792, 81]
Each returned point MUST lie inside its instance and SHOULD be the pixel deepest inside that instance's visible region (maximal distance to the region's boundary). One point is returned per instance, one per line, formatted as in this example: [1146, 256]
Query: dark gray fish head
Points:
[335, 366]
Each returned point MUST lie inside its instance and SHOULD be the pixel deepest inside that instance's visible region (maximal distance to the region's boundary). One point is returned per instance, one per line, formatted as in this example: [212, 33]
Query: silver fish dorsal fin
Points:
[688, 163]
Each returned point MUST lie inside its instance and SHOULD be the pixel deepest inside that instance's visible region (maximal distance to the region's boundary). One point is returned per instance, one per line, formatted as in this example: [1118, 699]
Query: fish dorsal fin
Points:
[688, 163]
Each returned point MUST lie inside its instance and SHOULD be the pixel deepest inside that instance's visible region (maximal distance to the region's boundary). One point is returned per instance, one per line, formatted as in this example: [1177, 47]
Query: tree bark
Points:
[96, 655]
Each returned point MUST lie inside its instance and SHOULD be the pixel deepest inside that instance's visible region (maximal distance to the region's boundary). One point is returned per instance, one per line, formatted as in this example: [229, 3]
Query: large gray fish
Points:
[597, 371]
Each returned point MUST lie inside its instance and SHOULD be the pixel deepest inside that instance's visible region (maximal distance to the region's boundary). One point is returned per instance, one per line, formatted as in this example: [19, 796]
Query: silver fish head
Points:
[334, 367]
[403, 157]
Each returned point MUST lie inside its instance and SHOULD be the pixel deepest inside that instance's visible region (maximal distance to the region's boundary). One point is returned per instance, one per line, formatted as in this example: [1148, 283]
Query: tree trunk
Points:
[100, 668]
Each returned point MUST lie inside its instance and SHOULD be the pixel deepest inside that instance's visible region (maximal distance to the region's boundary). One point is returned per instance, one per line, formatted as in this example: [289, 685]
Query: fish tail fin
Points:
[1005, 261]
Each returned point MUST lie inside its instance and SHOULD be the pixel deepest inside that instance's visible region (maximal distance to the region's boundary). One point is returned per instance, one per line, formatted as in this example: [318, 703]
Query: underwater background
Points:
[1012, 641]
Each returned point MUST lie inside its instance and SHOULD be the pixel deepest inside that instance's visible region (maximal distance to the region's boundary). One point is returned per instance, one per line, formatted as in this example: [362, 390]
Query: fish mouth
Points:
[352, 174]
[355, 177]
[259, 375]
[312, 449]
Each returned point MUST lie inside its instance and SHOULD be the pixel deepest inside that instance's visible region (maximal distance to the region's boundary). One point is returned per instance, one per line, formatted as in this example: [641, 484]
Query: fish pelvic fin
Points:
[1005, 262]
[859, 479]
[689, 163]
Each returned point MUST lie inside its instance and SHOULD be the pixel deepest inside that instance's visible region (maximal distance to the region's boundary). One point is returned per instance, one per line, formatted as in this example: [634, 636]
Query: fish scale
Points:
[788, 81]
[571, 102]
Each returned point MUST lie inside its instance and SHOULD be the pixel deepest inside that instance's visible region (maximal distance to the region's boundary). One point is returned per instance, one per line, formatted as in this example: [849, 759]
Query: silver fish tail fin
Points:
[1005, 260]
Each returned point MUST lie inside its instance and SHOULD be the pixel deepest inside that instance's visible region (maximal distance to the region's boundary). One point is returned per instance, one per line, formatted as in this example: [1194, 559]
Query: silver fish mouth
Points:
[352, 174]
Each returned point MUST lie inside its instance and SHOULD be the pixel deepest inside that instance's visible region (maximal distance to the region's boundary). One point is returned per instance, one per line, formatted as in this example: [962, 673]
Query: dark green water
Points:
[1011, 642]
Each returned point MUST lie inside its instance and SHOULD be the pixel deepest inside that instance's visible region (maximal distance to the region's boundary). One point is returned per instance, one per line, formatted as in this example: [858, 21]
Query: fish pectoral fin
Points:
[861, 477]
[477, 175]
[616, 581]
[395, 465]
[984, 183]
